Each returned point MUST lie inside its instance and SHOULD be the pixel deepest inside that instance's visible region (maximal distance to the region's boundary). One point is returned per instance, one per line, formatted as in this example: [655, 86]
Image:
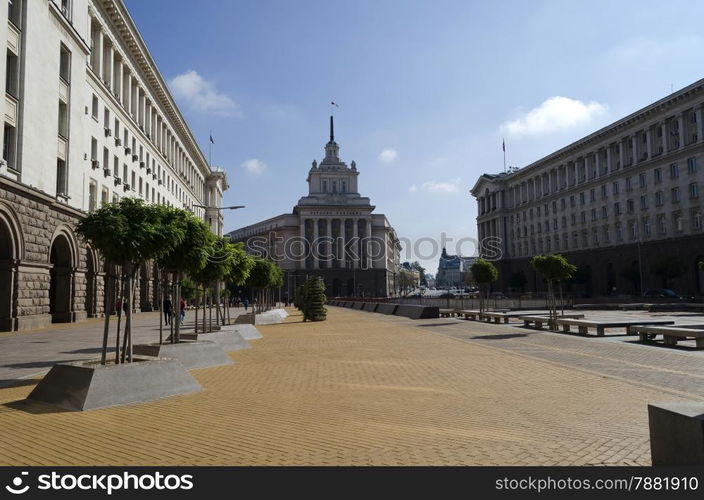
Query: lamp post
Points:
[210, 222]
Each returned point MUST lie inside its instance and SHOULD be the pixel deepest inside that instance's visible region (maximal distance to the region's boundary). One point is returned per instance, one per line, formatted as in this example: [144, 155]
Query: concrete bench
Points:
[670, 334]
[384, 308]
[538, 320]
[474, 313]
[369, 306]
[676, 433]
[497, 316]
[450, 313]
[357, 305]
[584, 325]
[417, 312]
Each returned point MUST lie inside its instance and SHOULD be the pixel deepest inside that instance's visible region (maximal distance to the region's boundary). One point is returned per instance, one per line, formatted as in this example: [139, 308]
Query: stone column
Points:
[683, 137]
[343, 240]
[698, 118]
[315, 246]
[620, 153]
[609, 159]
[634, 143]
[101, 53]
[355, 238]
[117, 79]
[368, 243]
[648, 143]
[330, 257]
[302, 230]
[665, 138]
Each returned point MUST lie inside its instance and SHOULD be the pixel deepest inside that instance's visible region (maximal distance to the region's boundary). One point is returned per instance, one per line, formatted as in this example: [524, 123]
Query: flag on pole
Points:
[332, 103]
[503, 145]
[211, 139]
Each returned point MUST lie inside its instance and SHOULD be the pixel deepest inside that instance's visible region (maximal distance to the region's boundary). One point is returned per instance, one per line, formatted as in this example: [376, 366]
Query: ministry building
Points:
[88, 119]
[623, 204]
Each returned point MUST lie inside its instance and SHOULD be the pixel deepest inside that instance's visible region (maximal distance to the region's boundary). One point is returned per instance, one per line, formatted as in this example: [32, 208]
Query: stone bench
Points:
[676, 433]
[369, 306]
[497, 316]
[474, 313]
[450, 313]
[357, 305]
[417, 312]
[670, 334]
[584, 325]
[538, 320]
[384, 308]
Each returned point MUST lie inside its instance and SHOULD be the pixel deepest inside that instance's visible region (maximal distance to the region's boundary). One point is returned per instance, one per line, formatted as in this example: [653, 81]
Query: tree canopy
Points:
[484, 272]
[191, 254]
[553, 267]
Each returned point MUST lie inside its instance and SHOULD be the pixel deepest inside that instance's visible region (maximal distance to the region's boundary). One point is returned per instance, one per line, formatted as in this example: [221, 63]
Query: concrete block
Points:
[676, 433]
[417, 312]
[88, 385]
[386, 308]
[228, 339]
[248, 332]
[369, 306]
[357, 305]
[200, 354]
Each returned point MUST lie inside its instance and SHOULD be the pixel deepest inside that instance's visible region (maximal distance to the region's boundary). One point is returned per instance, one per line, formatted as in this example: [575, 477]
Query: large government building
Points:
[88, 119]
[623, 204]
[331, 233]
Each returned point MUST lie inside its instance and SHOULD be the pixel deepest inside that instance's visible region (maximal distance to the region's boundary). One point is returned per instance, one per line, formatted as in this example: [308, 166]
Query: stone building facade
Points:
[88, 119]
[333, 233]
[616, 203]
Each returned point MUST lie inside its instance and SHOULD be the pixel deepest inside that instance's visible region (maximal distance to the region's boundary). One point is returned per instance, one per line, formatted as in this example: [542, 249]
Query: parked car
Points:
[661, 293]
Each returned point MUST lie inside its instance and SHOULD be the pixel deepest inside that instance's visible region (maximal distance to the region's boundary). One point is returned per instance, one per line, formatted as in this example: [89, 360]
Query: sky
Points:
[427, 91]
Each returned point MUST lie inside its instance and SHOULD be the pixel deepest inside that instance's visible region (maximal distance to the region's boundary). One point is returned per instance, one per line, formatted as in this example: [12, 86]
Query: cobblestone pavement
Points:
[368, 389]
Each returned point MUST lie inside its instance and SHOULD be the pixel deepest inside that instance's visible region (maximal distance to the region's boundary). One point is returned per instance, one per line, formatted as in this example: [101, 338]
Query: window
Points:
[615, 187]
[674, 171]
[61, 177]
[572, 201]
[93, 148]
[9, 146]
[106, 118]
[583, 217]
[628, 184]
[617, 208]
[12, 76]
[675, 195]
[630, 206]
[334, 186]
[605, 231]
[592, 195]
[554, 224]
[104, 197]
[593, 214]
[632, 230]
[14, 12]
[581, 198]
[66, 8]
[662, 224]
[603, 191]
[116, 166]
[94, 107]
[325, 186]
[642, 179]
[619, 232]
[677, 221]
[65, 64]
[604, 212]
[63, 119]
[657, 175]
[92, 196]
[693, 190]
[696, 219]
[117, 129]
[344, 187]
[646, 227]
[563, 204]
[658, 198]
[574, 219]
[692, 165]
[643, 202]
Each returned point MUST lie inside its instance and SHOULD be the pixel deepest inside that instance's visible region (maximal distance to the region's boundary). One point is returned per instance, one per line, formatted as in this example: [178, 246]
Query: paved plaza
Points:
[364, 389]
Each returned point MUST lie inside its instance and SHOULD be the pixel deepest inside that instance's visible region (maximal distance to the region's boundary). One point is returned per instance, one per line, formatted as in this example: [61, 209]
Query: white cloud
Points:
[388, 155]
[200, 94]
[451, 186]
[555, 114]
[254, 166]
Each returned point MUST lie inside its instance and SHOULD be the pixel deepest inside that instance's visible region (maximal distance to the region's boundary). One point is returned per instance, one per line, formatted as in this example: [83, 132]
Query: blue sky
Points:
[427, 90]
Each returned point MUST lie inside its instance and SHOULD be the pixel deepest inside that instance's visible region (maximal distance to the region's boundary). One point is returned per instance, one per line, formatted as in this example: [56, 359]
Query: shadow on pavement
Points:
[34, 407]
[18, 382]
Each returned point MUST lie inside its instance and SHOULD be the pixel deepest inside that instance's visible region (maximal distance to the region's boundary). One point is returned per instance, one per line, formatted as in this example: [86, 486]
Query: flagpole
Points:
[503, 144]
[210, 150]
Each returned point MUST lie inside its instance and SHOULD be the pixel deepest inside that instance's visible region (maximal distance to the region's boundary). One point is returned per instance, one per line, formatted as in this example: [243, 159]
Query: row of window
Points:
[603, 235]
[149, 195]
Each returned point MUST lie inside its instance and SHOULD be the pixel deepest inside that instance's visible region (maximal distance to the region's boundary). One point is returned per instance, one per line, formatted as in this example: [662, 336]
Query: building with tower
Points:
[332, 232]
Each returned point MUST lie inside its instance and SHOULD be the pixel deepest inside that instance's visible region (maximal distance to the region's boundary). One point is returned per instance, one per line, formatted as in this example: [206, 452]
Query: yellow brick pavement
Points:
[357, 389]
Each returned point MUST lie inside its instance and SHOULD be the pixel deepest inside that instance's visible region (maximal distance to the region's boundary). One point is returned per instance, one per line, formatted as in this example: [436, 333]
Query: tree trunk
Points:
[204, 310]
[196, 311]
[177, 288]
[121, 296]
[109, 292]
[160, 295]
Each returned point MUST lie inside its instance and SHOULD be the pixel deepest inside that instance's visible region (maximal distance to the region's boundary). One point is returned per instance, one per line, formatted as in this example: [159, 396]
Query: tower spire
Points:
[332, 130]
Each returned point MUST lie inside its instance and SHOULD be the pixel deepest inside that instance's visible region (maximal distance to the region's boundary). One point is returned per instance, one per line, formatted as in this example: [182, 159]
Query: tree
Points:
[554, 268]
[484, 273]
[421, 271]
[128, 234]
[314, 305]
[188, 257]
[263, 278]
[668, 268]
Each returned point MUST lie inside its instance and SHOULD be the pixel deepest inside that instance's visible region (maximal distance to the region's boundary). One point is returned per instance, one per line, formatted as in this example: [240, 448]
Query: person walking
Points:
[168, 310]
[182, 308]
[245, 302]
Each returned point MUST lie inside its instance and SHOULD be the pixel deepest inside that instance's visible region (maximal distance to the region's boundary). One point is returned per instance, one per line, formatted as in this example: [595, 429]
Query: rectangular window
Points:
[592, 195]
[646, 227]
[61, 177]
[630, 206]
[615, 187]
[677, 221]
[94, 107]
[675, 195]
[106, 119]
[662, 224]
[104, 197]
[10, 146]
[619, 232]
[657, 175]
[581, 198]
[628, 184]
[603, 191]
[65, 64]
[643, 202]
[696, 219]
[692, 165]
[14, 12]
[617, 208]
[92, 196]
[593, 214]
[66, 9]
[63, 119]
[693, 190]
[642, 179]
[116, 167]
[604, 212]
[674, 171]
[12, 76]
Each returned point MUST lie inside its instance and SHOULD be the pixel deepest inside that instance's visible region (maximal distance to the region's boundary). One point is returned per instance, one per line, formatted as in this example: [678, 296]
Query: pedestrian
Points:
[182, 307]
[245, 302]
[168, 310]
